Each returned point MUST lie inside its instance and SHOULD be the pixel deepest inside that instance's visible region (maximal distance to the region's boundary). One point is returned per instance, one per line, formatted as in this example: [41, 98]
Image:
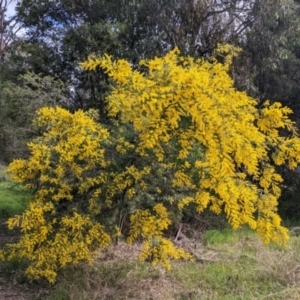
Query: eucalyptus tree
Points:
[269, 68]
[18, 104]
[9, 27]
[269, 65]
[129, 29]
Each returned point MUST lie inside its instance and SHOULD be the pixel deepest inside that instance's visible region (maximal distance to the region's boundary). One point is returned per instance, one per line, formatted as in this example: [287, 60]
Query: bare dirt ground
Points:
[12, 291]
[11, 285]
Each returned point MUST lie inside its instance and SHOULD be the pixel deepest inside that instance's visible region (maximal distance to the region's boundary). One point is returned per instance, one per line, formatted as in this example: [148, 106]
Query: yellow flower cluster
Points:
[55, 244]
[150, 227]
[160, 251]
[62, 161]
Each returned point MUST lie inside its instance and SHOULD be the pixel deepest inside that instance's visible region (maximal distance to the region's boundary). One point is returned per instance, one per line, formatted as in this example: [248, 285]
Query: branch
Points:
[9, 27]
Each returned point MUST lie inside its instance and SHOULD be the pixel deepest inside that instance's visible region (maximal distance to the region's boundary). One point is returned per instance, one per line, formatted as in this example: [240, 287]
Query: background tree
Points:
[134, 30]
[270, 57]
[8, 27]
[268, 68]
[18, 104]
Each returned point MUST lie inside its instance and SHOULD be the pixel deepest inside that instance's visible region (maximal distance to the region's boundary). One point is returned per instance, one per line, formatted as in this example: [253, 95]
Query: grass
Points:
[13, 198]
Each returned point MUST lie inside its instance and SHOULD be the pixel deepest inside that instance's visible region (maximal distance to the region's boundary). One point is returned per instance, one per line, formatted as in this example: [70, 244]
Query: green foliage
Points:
[19, 103]
[270, 60]
[61, 34]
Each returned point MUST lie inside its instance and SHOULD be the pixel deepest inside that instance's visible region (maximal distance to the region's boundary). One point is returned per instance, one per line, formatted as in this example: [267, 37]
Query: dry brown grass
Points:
[281, 264]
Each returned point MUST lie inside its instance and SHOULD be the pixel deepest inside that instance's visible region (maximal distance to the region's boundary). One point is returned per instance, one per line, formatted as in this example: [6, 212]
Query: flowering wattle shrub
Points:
[182, 136]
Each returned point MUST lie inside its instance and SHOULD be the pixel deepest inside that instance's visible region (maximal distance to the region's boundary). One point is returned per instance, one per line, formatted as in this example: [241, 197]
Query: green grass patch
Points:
[215, 237]
[13, 199]
[226, 235]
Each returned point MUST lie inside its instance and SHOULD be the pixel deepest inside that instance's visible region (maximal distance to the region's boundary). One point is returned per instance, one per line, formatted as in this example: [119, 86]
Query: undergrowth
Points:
[238, 267]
